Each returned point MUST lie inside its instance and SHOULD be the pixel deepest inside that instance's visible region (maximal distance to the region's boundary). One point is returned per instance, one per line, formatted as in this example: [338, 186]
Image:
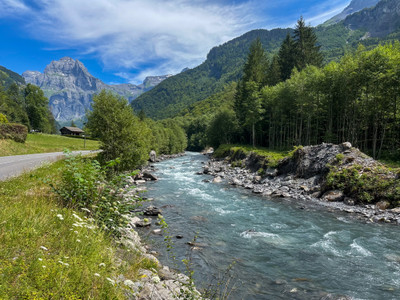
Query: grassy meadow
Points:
[42, 143]
[50, 252]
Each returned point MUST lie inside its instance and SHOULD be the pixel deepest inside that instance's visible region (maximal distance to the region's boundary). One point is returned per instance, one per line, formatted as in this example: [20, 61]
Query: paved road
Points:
[11, 166]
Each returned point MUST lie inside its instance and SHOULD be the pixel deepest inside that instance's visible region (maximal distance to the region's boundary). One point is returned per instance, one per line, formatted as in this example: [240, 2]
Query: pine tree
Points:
[287, 57]
[247, 104]
[307, 50]
[274, 72]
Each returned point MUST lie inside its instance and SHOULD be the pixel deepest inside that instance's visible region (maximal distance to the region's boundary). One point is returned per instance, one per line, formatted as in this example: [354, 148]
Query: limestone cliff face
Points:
[353, 7]
[379, 21]
[70, 87]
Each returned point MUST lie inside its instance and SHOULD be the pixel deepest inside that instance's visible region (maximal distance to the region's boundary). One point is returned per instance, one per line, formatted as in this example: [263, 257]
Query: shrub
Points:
[84, 185]
[3, 119]
[13, 131]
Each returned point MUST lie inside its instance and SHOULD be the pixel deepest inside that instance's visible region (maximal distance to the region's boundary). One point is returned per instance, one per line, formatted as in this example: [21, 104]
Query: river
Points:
[281, 250]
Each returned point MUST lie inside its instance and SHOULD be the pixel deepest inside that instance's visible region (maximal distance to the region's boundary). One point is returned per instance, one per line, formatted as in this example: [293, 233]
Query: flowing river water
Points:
[281, 251]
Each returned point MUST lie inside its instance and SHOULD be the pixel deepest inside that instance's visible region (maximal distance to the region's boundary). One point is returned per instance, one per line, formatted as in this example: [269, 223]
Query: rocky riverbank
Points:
[302, 177]
[160, 283]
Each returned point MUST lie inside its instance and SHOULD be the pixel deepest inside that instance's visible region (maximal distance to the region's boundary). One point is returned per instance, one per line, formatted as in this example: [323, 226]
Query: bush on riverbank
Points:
[367, 185]
[236, 153]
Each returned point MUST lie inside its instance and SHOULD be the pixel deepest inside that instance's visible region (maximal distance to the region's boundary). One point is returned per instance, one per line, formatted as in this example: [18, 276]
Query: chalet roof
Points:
[73, 129]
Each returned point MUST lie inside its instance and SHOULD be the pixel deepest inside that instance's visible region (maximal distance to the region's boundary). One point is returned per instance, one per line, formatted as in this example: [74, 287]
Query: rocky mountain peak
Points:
[353, 7]
[66, 66]
[70, 87]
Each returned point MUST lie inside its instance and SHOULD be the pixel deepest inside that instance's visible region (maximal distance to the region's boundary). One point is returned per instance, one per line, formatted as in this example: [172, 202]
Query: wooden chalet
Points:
[71, 131]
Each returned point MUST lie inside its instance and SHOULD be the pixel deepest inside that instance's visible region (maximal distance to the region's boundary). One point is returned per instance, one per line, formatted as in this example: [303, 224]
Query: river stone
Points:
[149, 176]
[349, 201]
[157, 231]
[143, 223]
[235, 181]
[333, 196]
[217, 179]
[153, 156]
[383, 205]
[152, 211]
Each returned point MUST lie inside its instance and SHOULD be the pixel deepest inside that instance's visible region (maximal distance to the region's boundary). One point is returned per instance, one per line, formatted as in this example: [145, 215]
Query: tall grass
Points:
[51, 252]
[41, 143]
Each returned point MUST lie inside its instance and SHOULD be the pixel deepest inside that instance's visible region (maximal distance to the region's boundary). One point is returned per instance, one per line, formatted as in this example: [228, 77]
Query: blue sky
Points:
[122, 41]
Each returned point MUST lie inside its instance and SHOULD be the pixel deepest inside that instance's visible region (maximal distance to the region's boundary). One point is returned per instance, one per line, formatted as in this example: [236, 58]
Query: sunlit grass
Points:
[41, 143]
[47, 252]
[273, 156]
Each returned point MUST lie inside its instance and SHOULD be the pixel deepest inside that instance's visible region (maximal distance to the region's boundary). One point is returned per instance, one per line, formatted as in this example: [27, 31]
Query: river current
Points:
[280, 249]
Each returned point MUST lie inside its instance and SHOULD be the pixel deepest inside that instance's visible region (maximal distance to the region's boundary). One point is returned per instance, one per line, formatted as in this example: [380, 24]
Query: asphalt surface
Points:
[11, 166]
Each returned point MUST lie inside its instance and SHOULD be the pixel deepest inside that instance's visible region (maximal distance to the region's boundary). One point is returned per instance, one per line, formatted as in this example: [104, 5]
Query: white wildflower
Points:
[102, 265]
[78, 240]
[85, 209]
[43, 267]
[77, 225]
[155, 279]
[111, 281]
[77, 217]
[44, 248]
[97, 274]
[60, 216]
[60, 262]
[40, 259]
[76, 232]
[129, 283]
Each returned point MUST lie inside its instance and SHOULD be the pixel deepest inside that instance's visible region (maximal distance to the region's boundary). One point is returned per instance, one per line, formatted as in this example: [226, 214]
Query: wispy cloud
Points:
[136, 38]
[157, 35]
[12, 7]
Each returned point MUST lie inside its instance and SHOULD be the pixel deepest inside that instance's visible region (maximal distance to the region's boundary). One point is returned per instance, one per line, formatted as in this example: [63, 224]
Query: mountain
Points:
[8, 77]
[378, 21]
[70, 87]
[222, 66]
[224, 63]
[353, 7]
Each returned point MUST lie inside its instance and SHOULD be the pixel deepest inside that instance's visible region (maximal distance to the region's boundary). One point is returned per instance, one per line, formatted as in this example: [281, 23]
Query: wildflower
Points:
[102, 265]
[156, 279]
[76, 232]
[44, 248]
[40, 259]
[43, 267]
[60, 216]
[78, 240]
[77, 217]
[111, 281]
[85, 209]
[97, 274]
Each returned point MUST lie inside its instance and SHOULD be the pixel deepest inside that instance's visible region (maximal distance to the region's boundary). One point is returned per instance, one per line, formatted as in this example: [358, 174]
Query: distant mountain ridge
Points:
[353, 7]
[70, 87]
[378, 21]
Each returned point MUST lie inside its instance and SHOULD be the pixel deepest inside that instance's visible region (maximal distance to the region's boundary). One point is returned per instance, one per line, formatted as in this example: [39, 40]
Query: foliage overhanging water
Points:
[282, 251]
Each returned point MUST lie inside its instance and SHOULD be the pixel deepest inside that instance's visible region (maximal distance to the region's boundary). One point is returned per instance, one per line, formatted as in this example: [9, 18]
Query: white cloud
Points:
[157, 35]
[12, 7]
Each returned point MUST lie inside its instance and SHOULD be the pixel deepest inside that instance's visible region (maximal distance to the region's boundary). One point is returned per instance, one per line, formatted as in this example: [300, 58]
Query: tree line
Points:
[27, 105]
[292, 99]
[129, 137]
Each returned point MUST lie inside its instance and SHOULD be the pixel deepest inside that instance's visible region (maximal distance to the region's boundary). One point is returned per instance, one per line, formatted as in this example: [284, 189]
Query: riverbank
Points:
[308, 176]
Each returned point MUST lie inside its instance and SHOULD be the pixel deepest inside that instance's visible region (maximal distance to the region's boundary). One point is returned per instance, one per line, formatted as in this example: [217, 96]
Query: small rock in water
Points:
[157, 231]
[217, 179]
[152, 211]
[179, 236]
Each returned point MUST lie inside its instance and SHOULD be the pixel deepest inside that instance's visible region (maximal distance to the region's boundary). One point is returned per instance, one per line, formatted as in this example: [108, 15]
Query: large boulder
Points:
[153, 156]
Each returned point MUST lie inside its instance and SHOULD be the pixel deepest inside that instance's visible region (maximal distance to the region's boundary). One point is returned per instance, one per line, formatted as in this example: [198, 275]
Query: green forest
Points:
[292, 99]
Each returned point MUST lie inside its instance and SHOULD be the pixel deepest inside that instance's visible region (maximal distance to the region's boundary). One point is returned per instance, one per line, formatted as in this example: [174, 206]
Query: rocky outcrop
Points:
[302, 177]
[70, 87]
[379, 21]
[353, 7]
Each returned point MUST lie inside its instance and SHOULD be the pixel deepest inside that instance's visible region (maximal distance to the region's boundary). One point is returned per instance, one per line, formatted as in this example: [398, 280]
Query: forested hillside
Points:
[224, 63]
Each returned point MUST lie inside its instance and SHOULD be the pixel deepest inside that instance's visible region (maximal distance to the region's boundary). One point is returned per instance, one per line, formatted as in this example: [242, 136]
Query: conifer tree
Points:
[287, 57]
[306, 48]
[247, 104]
